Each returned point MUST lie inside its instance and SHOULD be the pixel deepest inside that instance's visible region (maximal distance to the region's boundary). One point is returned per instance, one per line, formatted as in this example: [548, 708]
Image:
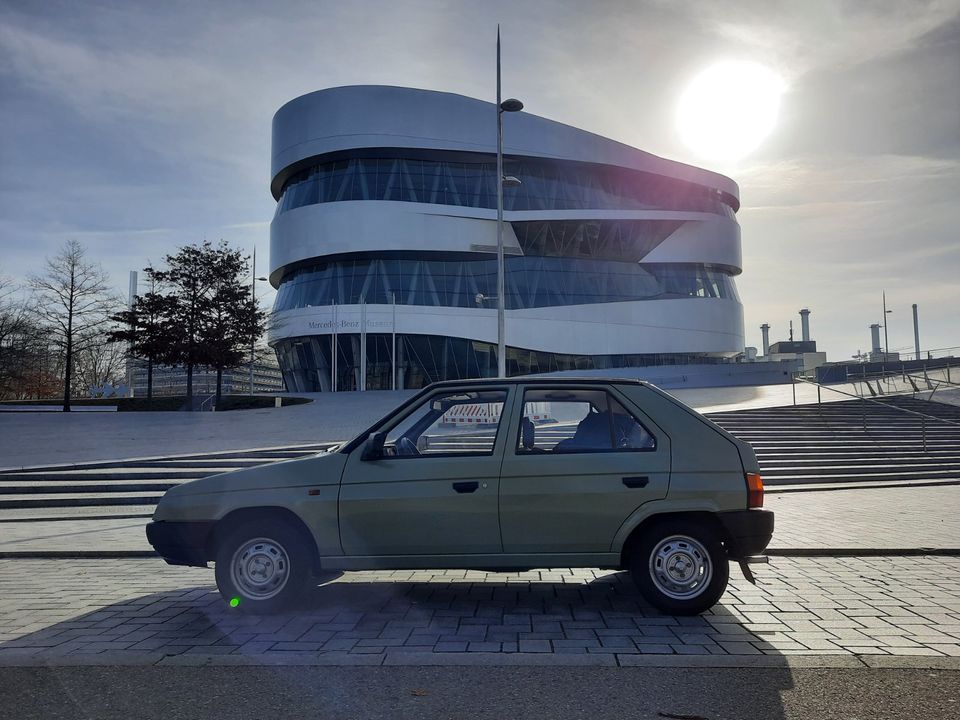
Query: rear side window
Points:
[579, 421]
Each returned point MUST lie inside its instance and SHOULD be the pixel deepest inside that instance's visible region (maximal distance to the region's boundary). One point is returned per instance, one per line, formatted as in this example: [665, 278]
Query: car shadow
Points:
[415, 612]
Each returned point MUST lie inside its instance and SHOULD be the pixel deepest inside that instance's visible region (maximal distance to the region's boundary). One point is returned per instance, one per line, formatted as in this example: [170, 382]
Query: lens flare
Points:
[234, 602]
[729, 109]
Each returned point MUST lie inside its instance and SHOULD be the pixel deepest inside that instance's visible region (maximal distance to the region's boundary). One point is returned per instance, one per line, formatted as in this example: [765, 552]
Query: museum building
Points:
[383, 246]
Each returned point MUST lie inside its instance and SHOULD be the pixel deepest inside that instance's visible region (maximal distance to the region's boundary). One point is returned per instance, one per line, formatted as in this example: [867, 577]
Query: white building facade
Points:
[383, 246]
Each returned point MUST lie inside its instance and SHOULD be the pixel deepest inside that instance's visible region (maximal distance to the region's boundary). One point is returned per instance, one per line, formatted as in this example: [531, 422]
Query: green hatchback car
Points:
[488, 474]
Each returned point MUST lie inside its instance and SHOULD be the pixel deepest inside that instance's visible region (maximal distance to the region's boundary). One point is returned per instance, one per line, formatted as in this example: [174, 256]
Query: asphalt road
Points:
[502, 693]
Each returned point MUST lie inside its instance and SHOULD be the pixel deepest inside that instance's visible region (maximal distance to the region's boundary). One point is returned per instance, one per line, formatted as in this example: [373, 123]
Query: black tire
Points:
[693, 550]
[281, 562]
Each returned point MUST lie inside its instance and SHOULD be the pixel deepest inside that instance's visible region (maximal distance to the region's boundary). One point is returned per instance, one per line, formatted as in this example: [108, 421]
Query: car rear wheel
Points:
[263, 568]
[680, 567]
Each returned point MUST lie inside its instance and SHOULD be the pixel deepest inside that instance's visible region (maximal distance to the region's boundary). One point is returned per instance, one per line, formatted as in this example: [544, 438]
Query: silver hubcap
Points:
[680, 567]
[260, 568]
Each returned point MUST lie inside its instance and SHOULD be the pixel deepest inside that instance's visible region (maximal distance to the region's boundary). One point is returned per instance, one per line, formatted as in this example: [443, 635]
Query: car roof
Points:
[521, 380]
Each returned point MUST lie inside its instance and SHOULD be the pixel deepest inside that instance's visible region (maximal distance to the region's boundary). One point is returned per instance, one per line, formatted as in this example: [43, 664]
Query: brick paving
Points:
[144, 610]
[899, 517]
[892, 517]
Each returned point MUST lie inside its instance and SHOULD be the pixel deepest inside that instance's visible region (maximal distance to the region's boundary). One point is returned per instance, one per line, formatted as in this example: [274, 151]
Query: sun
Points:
[729, 109]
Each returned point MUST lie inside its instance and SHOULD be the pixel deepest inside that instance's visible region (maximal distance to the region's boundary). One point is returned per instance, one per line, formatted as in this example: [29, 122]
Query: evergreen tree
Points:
[190, 280]
[210, 318]
[234, 322]
[145, 328]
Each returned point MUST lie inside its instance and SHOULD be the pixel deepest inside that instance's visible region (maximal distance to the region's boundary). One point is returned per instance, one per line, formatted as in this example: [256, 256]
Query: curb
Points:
[427, 659]
[183, 456]
[862, 552]
[784, 489]
[61, 518]
[76, 554]
[774, 553]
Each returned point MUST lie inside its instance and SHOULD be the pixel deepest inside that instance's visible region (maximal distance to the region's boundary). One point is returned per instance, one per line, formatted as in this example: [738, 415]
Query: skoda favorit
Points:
[489, 474]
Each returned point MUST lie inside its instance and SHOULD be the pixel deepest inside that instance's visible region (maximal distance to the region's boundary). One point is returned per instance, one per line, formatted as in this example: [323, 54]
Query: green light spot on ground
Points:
[234, 602]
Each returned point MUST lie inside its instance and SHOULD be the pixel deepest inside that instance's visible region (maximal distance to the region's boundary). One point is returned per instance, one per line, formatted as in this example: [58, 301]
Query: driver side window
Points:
[453, 423]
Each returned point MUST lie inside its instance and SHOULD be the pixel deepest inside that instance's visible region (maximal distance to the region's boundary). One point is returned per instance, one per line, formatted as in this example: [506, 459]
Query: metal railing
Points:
[864, 400]
[885, 381]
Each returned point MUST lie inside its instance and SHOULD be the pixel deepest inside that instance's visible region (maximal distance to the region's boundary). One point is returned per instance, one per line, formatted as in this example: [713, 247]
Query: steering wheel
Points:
[406, 446]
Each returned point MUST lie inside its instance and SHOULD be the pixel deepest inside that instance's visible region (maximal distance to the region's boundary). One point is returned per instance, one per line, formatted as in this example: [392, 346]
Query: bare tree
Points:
[71, 301]
[99, 363]
[17, 334]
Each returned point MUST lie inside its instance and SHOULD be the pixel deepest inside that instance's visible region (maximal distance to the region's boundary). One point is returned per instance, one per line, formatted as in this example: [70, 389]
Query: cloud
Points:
[135, 126]
[817, 34]
[831, 233]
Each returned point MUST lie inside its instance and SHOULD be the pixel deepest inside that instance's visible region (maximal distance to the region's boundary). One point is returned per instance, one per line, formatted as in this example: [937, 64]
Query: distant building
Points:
[383, 248]
[173, 380]
[881, 356]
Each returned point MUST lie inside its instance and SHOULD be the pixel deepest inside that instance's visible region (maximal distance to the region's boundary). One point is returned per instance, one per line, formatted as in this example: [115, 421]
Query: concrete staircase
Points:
[851, 442]
[848, 443]
[126, 482]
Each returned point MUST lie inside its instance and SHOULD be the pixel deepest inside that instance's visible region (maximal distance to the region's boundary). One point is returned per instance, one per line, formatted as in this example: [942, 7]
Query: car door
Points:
[579, 463]
[434, 491]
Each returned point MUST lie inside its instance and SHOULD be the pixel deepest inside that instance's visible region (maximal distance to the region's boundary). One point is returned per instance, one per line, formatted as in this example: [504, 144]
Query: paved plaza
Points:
[859, 577]
[841, 610]
[894, 518]
[26, 439]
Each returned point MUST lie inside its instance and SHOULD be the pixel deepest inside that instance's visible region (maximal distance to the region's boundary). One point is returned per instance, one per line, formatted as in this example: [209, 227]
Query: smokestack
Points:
[765, 329]
[916, 331]
[875, 338]
[805, 325]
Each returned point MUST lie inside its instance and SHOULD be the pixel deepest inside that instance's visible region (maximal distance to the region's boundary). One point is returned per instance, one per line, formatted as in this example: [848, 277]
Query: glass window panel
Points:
[545, 186]
[532, 281]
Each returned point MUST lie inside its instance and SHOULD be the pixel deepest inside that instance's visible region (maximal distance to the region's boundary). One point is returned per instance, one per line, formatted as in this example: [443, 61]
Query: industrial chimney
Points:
[875, 338]
[805, 325]
[916, 331]
[765, 329]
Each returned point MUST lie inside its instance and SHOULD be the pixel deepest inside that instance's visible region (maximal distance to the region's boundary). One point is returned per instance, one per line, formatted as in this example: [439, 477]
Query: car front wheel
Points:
[263, 568]
[680, 567]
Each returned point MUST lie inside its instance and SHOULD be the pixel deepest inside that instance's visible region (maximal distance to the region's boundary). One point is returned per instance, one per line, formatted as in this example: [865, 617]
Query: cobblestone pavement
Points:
[901, 517]
[919, 517]
[145, 611]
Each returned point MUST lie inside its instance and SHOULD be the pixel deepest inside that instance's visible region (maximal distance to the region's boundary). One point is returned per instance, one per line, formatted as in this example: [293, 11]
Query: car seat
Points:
[593, 432]
[527, 434]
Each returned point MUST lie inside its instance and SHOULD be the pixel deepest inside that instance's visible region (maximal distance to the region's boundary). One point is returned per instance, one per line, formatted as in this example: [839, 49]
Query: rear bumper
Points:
[746, 532]
[180, 543]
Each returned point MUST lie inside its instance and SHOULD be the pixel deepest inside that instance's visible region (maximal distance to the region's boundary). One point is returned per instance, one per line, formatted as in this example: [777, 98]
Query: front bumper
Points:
[746, 532]
[180, 543]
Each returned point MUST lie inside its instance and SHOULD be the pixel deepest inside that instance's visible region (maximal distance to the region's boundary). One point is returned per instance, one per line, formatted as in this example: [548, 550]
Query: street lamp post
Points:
[509, 105]
[886, 340]
[253, 307]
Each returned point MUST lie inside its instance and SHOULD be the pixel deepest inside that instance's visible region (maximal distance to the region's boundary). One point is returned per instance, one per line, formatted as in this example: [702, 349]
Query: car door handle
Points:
[636, 481]
[466, 487]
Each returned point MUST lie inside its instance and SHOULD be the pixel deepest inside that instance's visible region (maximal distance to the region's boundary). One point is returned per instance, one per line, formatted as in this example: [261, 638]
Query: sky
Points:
[135, 127]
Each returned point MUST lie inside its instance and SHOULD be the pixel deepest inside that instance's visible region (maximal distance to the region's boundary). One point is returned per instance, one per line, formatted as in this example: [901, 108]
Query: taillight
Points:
[754, 491]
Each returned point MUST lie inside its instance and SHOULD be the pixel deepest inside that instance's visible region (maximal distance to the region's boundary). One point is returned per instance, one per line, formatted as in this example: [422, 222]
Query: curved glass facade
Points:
[531, 282]
[423, 359]
[544, 185]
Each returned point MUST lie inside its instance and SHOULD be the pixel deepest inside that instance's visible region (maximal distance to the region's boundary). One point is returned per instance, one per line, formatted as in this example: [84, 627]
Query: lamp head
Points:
[511, 105]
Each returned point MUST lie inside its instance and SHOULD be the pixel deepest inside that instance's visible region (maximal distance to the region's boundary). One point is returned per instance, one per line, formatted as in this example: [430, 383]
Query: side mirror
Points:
[373, 448]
